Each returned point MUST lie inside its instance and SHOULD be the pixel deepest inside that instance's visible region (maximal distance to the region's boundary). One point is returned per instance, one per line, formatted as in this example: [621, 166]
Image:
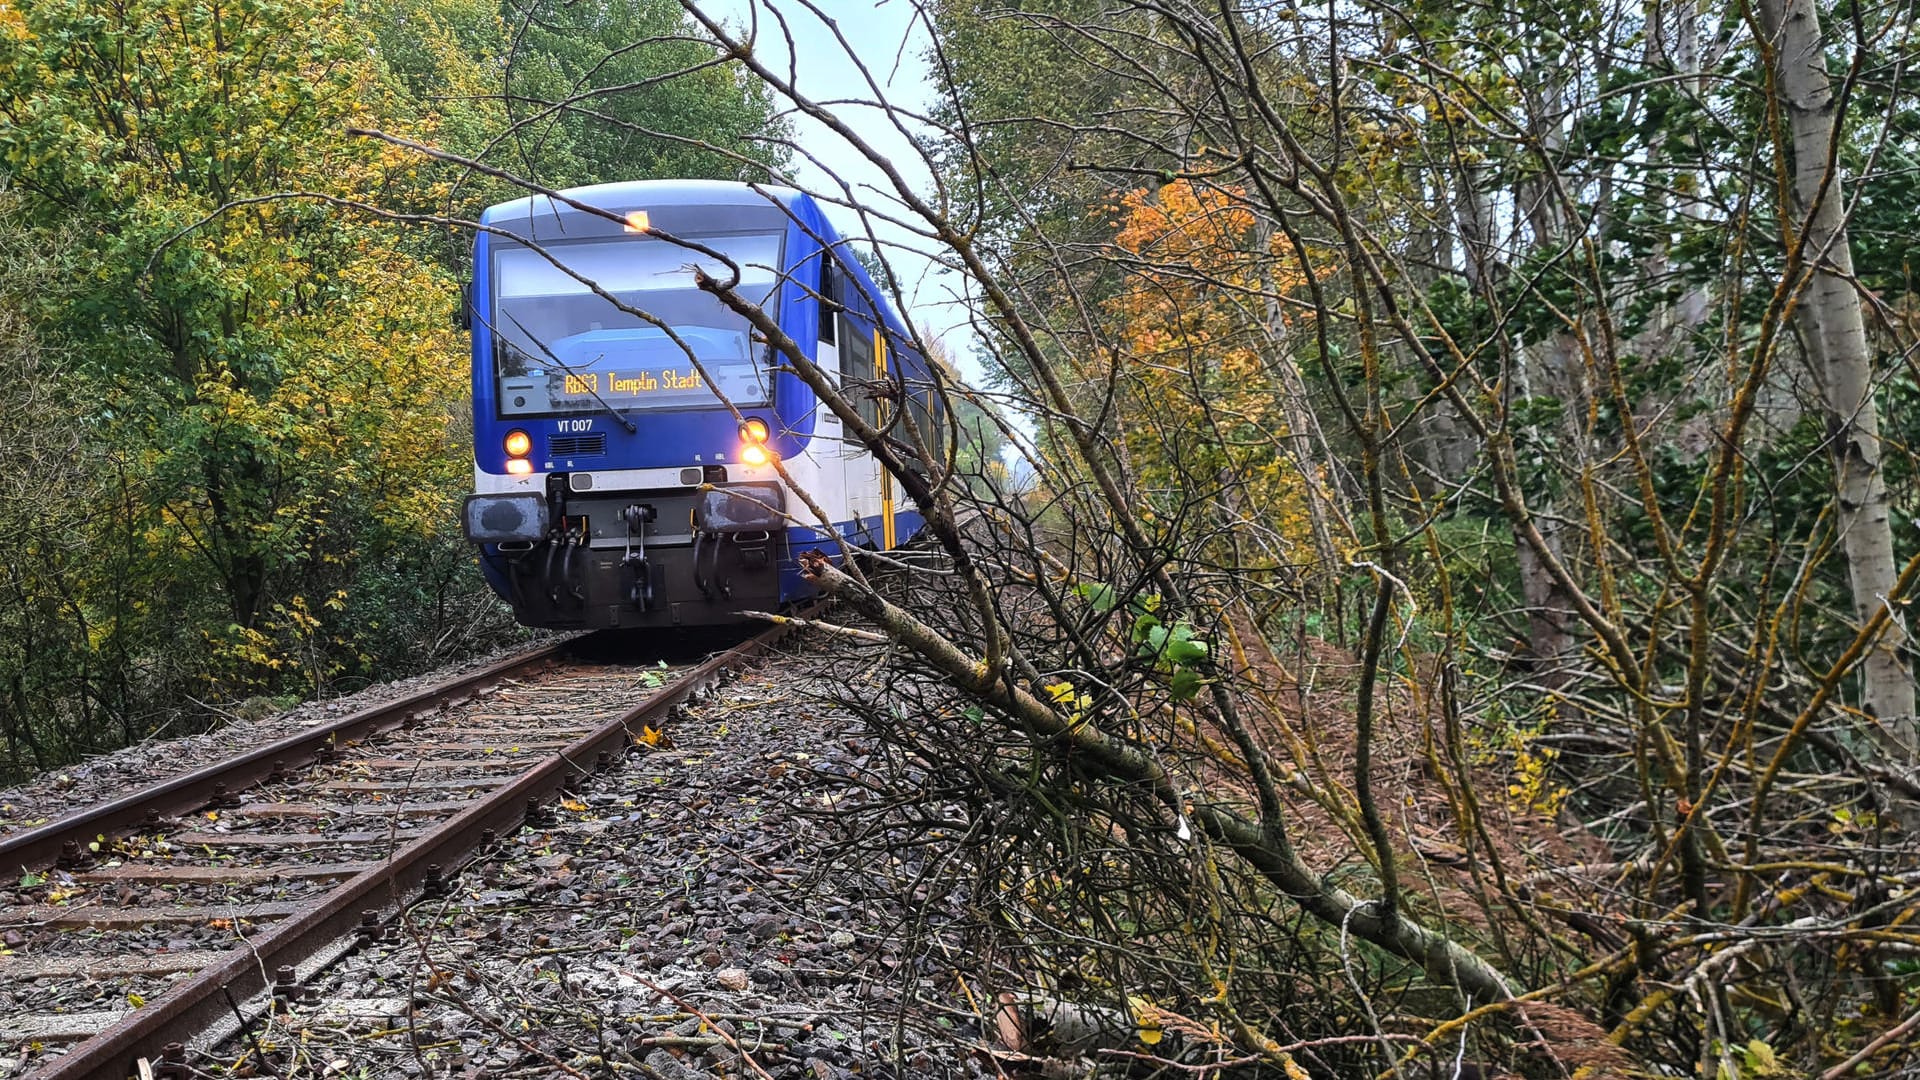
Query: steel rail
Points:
[39, 848]
[200, 1002]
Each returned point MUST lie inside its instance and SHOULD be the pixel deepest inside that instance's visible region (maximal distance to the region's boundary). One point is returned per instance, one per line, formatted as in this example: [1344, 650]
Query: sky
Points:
[891, 41]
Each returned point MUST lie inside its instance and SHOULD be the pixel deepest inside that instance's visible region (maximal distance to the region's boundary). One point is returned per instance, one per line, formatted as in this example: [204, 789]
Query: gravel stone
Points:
[732, 978]
[670, 1067]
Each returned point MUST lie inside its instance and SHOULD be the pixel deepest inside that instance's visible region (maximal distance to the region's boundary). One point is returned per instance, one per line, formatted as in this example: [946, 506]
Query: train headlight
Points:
[518, 443]
[519, 467]
[754, 430]
[753, 454]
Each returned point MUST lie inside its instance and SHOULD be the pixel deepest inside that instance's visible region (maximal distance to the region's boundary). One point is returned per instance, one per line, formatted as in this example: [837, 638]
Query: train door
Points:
[857, 355]
[828, 446]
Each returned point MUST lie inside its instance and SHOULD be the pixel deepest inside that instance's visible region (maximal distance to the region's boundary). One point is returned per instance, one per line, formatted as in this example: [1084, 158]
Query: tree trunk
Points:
[1551, 644]
[1836, 339]
[1304, 439]
[1564, 377]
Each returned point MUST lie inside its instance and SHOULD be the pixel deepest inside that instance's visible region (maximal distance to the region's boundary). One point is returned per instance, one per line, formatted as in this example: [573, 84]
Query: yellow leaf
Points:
[1761, 1060]
[1146, 1020]
[649, 736]
[574, 805]
[14, 23]
[135, 1000]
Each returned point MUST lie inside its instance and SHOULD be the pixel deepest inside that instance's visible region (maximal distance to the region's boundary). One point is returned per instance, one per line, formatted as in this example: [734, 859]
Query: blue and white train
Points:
[612, 487]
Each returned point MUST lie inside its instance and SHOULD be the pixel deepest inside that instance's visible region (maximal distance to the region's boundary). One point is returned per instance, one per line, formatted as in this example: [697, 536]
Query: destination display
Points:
[646, 382]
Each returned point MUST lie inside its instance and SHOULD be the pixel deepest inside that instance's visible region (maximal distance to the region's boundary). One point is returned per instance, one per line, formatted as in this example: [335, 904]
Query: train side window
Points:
[925, 408]
[829, 298]
[856, 366]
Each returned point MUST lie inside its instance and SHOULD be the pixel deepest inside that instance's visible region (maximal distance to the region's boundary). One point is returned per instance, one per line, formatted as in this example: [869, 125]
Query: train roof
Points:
[626, 195]
[541, 219]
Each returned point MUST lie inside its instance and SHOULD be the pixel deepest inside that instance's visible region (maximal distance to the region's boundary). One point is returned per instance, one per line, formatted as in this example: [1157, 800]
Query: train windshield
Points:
[560, 348]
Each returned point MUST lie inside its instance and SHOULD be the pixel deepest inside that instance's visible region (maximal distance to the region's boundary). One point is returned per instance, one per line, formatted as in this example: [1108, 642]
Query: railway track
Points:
[196, 903]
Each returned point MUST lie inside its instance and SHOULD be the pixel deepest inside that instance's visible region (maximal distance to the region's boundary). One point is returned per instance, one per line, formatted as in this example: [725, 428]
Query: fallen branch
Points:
[1099, 753]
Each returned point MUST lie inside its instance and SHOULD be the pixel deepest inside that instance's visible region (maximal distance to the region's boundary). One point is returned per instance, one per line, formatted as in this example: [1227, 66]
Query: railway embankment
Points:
[229, 730]
[710, 903]
[702, 911]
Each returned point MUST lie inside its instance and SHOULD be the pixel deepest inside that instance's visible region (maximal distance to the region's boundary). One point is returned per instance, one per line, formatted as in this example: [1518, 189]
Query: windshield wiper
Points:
[588, 386]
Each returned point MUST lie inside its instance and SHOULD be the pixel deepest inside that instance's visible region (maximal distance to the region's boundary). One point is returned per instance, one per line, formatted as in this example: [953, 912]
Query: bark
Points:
[1550, 640]
[1832, 325]
[1444, 445]
[1551, 644]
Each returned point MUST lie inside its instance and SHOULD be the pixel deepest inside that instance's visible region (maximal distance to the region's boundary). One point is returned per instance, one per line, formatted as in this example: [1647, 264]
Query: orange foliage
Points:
[1205, 327]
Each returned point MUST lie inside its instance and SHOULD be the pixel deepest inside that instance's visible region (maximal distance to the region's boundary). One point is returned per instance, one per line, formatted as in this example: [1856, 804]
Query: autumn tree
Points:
[264, 359]
[1206, 396]
[58, 593]
[263, 377]
[598, 91]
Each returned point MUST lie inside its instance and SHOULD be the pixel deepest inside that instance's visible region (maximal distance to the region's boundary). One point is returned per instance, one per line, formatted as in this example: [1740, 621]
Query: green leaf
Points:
[1156, 640]
[1185, 685]
[1187, 652]
[1183, 649]
[29, 880]
[1761, 1060]
[1098, 593]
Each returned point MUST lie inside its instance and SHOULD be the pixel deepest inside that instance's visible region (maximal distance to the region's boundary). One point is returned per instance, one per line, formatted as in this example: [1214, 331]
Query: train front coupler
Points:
[566, 544]
[639, 575]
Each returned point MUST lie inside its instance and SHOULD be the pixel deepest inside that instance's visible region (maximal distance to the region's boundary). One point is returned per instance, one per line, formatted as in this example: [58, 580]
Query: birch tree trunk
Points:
[1304, 440]
[1836, 338]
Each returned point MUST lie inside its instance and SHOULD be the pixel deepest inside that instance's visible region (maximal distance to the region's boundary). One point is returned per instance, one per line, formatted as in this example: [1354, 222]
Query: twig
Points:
[1846, 1067]
[705, 1019]
[697, 1042]
[815, 624]
[253, 1039]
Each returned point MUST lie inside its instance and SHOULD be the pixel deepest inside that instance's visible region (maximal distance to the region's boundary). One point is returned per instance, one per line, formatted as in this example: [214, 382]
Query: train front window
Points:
[560, 348]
